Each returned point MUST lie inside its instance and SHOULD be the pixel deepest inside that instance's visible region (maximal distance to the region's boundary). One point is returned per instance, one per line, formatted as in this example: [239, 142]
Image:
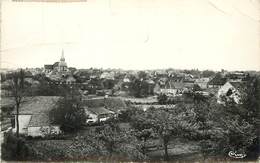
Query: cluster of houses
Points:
[34, 112]
[221, 85]
[34, 119]
[114, 82]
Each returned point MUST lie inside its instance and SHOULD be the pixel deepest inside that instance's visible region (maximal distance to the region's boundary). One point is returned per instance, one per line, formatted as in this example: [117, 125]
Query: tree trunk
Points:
[17, 120]
[144, 146]
[166, 156]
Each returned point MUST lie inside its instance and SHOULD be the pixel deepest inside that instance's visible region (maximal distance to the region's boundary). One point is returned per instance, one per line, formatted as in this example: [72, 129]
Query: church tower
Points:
[62, 65]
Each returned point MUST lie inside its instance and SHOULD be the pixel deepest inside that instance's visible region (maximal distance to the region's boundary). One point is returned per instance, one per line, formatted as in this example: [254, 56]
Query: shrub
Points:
[69, 114]
[14, 148]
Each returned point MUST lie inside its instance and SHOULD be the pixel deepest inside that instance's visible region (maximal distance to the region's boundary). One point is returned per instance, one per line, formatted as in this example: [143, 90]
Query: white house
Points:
[108, 75]
[34, 116]
[231, 90]
[171, 88]
[98, 114]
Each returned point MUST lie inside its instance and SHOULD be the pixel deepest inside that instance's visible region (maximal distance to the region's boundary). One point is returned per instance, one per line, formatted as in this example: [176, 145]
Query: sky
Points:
[132, 34]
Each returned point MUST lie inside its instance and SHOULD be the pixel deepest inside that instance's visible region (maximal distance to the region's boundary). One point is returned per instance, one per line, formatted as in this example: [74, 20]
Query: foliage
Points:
[127, 115]
[140, 88]
[108, 83]
[238, 123]
[196, 87]
[111, 137]
[162, 99]
[49, 88]
[163, 124]
[109, 141]
[69, 113]
[195, 96]
[14, 148]
[208, 73]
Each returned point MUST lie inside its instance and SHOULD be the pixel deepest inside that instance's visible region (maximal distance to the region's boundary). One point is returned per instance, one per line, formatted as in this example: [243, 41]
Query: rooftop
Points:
[39, 120]
[38, 104]
[114, 104]
[218, 80]
[99, 110]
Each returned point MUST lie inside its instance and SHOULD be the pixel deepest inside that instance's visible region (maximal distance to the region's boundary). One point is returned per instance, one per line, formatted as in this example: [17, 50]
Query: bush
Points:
[69, 114]
[14, 148]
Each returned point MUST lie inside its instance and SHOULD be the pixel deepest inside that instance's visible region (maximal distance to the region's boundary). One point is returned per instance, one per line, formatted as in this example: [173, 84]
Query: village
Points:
[101, 98]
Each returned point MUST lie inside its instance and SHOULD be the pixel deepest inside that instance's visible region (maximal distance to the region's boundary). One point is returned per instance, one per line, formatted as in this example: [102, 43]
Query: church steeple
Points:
[62, 64]
[62, 56]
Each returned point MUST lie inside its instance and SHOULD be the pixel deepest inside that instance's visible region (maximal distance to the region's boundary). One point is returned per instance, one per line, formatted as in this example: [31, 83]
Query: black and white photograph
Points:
[130, 81]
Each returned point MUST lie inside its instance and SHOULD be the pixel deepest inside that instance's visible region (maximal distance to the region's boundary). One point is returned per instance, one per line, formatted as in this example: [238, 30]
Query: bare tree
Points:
[18, 93]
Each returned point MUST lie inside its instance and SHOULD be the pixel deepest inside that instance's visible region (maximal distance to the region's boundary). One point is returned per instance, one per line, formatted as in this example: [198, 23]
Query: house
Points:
[126, 80]
[202, 82]
[48, 68]
[188, 84]
[34, 116]
[174, 87]
[236, 76]
[232, 90]
[98, 114]
[107, 75]
[59, 67]
[217, 82]
[70, 80]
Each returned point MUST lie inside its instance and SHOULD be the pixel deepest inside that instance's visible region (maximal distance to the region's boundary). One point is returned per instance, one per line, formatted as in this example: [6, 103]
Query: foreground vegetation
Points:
[205, 126]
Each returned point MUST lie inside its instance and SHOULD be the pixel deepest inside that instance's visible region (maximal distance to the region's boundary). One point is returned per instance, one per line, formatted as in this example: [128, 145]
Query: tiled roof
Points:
[56, 64]
[39, 108]
[38, 120]
[99, 110]
[217, 81]
[38, 104]
[48, 66]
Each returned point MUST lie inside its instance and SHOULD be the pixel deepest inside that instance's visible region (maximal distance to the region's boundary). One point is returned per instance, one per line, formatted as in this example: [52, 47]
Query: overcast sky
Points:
[133, 34]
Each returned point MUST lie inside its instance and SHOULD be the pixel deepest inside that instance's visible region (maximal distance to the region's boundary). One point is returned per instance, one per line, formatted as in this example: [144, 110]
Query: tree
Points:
[164, 129]
[9, 149]
[111, 138]
[69, 113]
[196, 87]
[142, 75]
[171, 124]
[18, 91]
[143, 127]
[140, 88]
[239, 123]
[121, 142]
[164, 124]
[144, 135]
[162, 99]
[208, 73]
[195, 95]
[135, 86]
